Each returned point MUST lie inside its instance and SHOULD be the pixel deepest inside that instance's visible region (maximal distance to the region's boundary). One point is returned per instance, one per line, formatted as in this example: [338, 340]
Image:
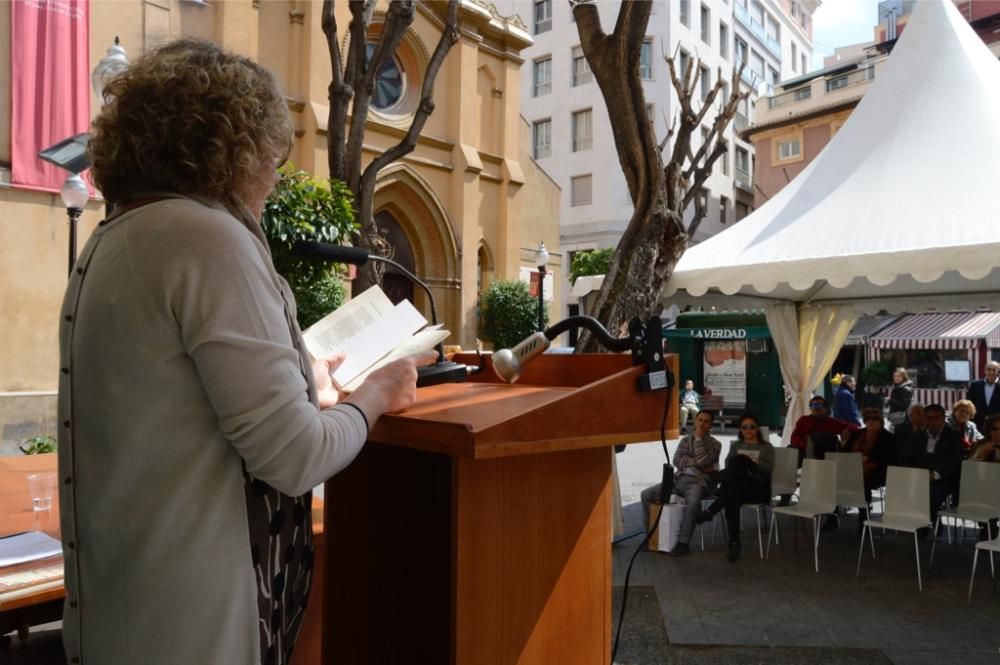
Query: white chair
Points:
[785, 476]
[992, 546]
[817, 497]
[907, 508]
[979, 499]
[850, 480]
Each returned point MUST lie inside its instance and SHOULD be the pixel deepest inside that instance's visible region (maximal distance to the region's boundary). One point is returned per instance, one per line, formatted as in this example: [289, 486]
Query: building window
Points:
[706, 82]
[740, 51]
[541, 136]
[724, 158]
[773, 29]
[757, 66]
[795, 57]
[685, 9]
[773, 75]
[651, 113]
[581, 70]
[742, 210]
[543, 76]
[683, 61]
[646, 60]
[789, 149]
[580, 190]
[723, 40]
[701, 201]
[543, 16]
[389, 82]
[723, 209]
[704, 134]
[805, 64]
[706, 25]
[756, 14]
[725, 92]
[742, 161]
[583, 138]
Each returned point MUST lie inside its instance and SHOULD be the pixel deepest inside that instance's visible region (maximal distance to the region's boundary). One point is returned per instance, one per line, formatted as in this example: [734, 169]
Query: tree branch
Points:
[339, 95]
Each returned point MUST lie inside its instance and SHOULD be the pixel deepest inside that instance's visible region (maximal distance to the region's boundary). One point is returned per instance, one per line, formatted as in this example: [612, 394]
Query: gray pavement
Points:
[780, 610]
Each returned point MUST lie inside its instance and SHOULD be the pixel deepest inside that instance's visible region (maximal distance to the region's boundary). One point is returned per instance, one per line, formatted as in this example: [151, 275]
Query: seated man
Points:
[939, 450]
[690, 404]
[906, 432]
[817, 420]
[696, 457]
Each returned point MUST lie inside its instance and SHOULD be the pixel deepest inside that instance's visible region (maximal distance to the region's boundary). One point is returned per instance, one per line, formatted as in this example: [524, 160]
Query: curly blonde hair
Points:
[189, 118]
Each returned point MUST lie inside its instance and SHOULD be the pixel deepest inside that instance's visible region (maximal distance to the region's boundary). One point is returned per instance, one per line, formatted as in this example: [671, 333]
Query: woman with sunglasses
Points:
[746, 479]
[877, 447]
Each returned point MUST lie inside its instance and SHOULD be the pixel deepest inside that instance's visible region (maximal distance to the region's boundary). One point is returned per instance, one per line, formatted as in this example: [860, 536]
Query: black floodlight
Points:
[69, 154]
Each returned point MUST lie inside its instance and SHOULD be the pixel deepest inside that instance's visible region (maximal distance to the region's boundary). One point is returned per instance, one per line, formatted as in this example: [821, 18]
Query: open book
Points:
[373, 332]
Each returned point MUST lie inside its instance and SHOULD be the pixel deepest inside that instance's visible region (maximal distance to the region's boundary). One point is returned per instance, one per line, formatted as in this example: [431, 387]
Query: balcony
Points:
[744, 180]
[847, 80]
[790, 97]
[757, 30]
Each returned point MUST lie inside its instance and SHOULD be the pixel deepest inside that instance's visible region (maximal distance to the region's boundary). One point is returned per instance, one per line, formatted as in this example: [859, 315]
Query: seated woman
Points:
[746, 479]
[962, 413]
[877, 447]
[988, 450]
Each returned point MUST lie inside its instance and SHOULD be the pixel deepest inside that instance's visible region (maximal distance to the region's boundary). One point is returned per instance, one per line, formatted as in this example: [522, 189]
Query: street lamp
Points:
[110, 66]
[543, 260]
[75, 196]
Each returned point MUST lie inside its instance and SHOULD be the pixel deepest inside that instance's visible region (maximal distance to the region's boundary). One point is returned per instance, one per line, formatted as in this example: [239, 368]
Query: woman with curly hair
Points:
[194, 422]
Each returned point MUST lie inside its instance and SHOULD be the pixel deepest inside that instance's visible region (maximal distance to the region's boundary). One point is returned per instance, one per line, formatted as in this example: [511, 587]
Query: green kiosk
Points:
[732, 355]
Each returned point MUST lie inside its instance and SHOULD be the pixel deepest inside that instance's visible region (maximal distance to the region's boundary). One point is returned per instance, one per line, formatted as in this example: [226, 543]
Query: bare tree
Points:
[655, 237]
[351, 92]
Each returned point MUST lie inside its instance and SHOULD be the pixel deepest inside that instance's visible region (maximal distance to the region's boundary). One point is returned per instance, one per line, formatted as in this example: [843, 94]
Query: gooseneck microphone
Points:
[443, 371]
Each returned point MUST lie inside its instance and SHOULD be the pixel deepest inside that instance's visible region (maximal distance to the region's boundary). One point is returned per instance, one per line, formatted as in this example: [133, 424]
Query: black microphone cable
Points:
[664, 496]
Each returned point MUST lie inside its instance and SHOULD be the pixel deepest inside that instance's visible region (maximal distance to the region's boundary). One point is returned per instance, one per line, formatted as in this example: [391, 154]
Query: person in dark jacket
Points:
[939, 450]
[900, 396]
[984, 395]
[845, 407]
[905, 434]
[878, 450]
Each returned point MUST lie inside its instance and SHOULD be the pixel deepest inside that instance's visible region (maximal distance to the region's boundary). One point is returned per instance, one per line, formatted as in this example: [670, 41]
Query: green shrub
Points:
[508, 313]
[37, 445]
[590, 262]
[876, 374]
[304, 208]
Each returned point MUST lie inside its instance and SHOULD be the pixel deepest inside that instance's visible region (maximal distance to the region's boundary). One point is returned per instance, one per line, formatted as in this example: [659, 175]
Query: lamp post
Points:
[74, 196]
[543, 260]
[110, 66]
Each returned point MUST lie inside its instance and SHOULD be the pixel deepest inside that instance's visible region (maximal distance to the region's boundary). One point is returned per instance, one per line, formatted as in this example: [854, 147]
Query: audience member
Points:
[690, 404]
[983, 393]
[938, 448]
[746, 479]
[697, 457]
[845, 407]
[988, 450]
[900, 396]
[961, 420]
[905, 432]
[878, 449]
[817, 420]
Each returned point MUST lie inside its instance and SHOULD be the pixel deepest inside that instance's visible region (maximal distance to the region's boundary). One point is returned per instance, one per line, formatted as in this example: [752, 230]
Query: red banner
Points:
[50, 86]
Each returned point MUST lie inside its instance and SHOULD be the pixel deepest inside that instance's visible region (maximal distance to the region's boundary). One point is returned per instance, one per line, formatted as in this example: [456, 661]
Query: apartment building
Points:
[571, 133]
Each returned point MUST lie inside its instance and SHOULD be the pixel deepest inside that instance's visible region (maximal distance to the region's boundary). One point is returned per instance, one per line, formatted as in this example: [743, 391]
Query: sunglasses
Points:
[873, 420]
[817, 405]
[748, 427]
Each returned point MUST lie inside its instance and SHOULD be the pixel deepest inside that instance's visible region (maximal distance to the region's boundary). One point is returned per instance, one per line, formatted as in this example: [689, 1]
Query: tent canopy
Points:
[898, 212]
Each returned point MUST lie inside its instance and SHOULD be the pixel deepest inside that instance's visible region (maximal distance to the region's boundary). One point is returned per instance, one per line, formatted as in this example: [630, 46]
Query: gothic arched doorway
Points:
[397, 286]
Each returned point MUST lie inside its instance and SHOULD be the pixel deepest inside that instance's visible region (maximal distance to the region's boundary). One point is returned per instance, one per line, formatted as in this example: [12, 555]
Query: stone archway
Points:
[421, 218]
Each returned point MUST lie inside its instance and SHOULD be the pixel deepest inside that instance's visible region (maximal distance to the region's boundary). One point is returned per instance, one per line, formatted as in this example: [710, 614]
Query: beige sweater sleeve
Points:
[228, 308]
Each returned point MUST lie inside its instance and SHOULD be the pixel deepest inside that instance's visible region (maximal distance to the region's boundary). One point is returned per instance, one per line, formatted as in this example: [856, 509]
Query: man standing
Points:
[845, 407]
[690, 404]
[984, 395]
[939, 450]
[696, 457]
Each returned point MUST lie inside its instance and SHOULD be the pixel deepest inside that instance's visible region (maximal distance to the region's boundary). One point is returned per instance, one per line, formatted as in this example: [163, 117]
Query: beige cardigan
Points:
[179, 363]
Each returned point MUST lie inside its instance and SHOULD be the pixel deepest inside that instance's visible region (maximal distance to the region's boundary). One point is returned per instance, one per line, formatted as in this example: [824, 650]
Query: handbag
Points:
[665, 532]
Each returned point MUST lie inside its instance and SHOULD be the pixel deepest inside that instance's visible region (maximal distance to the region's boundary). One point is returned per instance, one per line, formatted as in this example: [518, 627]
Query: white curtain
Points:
[808, 339]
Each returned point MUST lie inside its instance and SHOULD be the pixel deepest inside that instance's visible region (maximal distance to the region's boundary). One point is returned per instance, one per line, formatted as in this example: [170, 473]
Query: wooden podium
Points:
[475, 527]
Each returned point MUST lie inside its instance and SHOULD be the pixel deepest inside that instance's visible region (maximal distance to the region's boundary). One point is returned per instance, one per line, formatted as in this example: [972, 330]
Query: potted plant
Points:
[876, 376]
[38, 445]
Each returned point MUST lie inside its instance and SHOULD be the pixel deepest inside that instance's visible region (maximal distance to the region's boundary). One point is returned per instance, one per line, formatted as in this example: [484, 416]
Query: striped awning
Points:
[955, 330]
[866, 327]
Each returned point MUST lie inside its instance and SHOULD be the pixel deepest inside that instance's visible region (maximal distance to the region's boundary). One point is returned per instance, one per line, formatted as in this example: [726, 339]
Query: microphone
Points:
[508, 363]
[443, 371]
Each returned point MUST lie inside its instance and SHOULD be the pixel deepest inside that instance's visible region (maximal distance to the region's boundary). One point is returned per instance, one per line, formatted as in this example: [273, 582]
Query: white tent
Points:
[899, 212]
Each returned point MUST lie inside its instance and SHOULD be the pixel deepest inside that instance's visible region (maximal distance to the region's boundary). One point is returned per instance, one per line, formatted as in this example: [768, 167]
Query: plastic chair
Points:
[785, 476]
[992, 546]
[850, 480]
[907, 508]
[979, 499]
[818, 496]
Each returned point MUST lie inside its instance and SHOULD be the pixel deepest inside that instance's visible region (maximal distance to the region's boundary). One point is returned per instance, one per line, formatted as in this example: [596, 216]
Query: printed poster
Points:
[726, 371]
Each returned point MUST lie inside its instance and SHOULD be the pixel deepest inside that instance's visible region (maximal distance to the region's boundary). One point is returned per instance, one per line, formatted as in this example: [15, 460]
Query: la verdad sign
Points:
[719, 333]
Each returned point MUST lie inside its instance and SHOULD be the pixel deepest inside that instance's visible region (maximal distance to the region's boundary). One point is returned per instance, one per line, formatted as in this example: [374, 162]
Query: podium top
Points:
[562, 402]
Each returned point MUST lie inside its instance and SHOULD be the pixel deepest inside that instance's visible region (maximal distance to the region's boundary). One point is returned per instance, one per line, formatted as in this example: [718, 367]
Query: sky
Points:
[842, 22]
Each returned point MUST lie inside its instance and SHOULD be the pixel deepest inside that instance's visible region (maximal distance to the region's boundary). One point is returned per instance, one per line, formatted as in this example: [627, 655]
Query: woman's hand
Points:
[322, 369]
[390, 388]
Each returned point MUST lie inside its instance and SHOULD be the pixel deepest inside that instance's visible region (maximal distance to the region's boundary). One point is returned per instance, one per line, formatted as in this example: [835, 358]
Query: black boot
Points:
[734, 552]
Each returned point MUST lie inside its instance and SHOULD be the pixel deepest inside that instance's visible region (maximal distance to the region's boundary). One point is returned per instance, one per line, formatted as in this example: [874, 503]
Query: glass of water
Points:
[41, 487]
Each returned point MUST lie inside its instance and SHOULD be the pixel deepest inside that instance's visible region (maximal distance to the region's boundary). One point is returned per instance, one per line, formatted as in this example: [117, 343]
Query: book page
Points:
[425, 340]
[330, 333]
[752, 454]
[376, 340]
